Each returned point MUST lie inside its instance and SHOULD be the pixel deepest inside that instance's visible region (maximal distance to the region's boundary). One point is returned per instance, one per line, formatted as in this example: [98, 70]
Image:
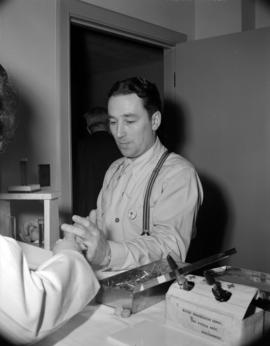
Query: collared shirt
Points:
[34, 303]
[174, 201]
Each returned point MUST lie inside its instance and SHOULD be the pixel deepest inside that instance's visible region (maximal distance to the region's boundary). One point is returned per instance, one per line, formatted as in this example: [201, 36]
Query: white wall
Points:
[171, 14]
[224, 85]
[215, 18]
[196, 18]
[28, 52]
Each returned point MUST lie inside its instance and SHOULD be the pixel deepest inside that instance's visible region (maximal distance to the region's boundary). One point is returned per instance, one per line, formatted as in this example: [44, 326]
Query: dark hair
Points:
[8, 105]
[97, 116]
[144, 89]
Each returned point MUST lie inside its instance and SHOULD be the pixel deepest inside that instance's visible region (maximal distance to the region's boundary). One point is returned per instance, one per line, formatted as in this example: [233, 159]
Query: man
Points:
[34, 303]
[95, 154]
[113, 235]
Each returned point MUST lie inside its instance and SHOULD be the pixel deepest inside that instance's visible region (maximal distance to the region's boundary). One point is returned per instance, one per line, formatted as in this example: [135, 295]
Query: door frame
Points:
[91, 16]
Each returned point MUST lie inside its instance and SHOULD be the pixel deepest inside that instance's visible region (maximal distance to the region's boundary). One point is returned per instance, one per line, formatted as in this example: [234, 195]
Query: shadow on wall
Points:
[2, 2]
[21, 146]
[172, 131]
[213, 221]
[214, 217]
[26, 118]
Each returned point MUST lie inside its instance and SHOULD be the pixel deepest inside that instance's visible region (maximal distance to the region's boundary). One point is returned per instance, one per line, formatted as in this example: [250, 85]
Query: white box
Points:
[235, 322]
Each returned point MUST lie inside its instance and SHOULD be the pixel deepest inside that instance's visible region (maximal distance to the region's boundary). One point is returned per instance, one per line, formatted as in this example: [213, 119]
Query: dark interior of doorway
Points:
[98, 59]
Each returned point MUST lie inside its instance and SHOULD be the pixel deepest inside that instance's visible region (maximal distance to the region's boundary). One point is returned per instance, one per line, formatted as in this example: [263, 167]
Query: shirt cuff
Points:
[118, 255]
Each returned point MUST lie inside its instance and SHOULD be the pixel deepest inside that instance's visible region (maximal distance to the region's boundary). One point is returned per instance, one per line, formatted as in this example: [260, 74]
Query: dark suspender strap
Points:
[146, 202]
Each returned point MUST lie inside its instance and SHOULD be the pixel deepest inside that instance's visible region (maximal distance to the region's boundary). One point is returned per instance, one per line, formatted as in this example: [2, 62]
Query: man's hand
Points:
[90, 239]
[68, 243]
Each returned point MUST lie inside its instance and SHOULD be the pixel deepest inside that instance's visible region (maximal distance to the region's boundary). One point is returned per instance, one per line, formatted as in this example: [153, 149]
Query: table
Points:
[50, 209]
[96, 324]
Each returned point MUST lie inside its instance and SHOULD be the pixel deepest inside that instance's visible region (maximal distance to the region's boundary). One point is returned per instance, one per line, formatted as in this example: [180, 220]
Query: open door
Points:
[141, 39]
[98, 60]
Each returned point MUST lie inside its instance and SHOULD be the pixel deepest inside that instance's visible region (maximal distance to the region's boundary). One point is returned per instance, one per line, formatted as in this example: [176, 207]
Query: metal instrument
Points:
[244, 276]
[139, 288]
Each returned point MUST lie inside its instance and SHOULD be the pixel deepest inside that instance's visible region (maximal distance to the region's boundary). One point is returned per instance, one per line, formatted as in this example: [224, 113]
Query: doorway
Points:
[97, 60]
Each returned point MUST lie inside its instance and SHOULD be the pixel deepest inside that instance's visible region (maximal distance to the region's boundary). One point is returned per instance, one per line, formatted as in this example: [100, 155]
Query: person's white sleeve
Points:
[173, 218]
[34, 303]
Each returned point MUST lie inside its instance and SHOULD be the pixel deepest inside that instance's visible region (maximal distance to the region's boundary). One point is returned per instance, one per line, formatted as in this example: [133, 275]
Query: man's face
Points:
[131, 127]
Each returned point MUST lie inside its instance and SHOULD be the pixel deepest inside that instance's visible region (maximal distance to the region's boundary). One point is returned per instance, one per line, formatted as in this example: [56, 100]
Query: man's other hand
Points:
[90, 238]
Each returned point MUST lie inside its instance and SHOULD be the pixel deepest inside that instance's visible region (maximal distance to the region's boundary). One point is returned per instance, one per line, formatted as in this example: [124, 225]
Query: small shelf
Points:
[50, 210]
[38, 195]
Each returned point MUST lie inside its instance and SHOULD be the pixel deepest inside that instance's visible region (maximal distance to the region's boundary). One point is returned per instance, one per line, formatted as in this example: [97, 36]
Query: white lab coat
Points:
[34, 303]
